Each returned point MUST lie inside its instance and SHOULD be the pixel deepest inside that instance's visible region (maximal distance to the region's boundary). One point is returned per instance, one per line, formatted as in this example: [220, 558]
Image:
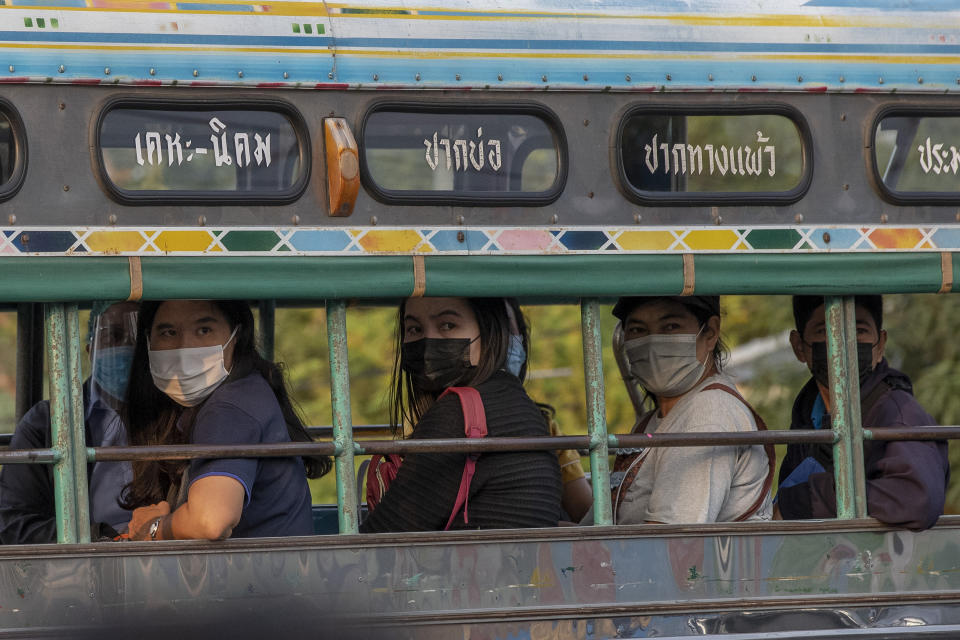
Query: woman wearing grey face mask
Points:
[674, 352]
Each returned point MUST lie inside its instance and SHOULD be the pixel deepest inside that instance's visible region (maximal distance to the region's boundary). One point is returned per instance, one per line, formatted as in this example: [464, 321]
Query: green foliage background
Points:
[921, 342]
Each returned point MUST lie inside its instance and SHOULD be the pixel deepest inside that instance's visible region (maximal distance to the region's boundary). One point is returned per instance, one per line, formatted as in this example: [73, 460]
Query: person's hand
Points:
[143, 517]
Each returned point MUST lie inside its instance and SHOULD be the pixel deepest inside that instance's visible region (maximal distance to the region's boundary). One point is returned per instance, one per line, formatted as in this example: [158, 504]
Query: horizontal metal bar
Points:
[793, 436]
[192, 451]
[28, 456]
[932, 432]
[37, 279]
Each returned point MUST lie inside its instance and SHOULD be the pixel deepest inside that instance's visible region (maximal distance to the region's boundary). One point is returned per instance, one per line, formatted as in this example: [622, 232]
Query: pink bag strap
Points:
[474, 426]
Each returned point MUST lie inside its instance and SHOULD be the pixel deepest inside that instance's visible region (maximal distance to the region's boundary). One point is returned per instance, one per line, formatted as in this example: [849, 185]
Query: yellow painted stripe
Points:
[422, 55]
[767, 20]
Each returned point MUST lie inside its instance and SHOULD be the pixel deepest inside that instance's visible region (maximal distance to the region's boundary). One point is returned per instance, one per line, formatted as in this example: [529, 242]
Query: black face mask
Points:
[436, 363]
[820, 364]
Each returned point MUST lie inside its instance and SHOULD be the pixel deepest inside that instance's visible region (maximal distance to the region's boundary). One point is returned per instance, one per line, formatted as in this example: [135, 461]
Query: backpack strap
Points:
[474, 426]
[629, 464]
[768, 448]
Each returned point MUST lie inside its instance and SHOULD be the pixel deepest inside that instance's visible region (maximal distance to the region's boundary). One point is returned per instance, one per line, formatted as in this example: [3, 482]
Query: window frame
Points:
[906, 198]
[468, 198]
[187, 197]
[19, 139]
[718, 198]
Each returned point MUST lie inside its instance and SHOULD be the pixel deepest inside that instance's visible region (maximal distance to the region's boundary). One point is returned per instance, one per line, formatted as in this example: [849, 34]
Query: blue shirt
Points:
[277, 500]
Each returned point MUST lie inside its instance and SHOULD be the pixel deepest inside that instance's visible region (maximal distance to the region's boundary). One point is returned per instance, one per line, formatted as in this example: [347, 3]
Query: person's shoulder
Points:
[33, 429]
[712, 405]
[250, 394]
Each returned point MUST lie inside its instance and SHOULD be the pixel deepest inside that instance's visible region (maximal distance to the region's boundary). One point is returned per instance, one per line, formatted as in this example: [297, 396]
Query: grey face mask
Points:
[665, 365]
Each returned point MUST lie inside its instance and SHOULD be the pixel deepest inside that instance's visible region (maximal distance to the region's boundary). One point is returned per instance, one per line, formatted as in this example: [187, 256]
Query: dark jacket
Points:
[509, 490]
[27, 514]
[906, 481]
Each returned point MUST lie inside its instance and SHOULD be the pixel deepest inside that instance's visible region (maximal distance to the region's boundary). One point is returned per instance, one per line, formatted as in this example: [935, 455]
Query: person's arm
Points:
[422, 495]
[26, 490]
[211, 511]
[906, 487]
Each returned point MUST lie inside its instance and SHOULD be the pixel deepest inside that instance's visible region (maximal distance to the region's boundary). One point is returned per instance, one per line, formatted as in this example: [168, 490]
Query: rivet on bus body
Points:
[295, 220]
[202, 221]
[637, 218]
[61, 106]
[373, 221]
[920, 80]
[61, 69]
[239, 74]
[710, 77]
[417, 77]
[11, 69]
[843, 117]
[718, 220]
[66, 187]
[112, 219]
[196, 73]
[590, 195]
[586, 78]
[330, 76]
[554, 219]
[458, 77]
[153, 71]
[461, 236]
[842, 79]
[461, 220]
[799, 78]
[586, 123]
[798, 218]
[627, 78]
[543, 78]
[880, 81]
[12, 218]
[846, 187]
[669, 77]
[376, 77]
[958, 217]
[883, 218]
[285, 75]
[826, 237]
[753, 78]
[500, 77]
[106, 71]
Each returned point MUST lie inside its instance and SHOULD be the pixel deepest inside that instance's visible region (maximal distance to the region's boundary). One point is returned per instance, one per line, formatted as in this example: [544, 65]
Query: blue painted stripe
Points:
[414, 44]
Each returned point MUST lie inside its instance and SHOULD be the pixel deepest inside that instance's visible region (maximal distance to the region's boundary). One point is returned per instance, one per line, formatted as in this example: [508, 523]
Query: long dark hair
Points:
[408, 402]
[152, 418]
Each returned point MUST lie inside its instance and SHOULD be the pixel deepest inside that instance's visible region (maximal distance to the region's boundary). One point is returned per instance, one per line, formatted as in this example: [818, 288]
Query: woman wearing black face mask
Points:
[465, 342]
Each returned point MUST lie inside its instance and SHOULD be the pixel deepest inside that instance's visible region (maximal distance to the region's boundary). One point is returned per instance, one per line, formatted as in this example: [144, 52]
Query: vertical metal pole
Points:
[342, 421]
[66, 423]
[267, 309]
[29, 357]
[845, 406]
[596, 411]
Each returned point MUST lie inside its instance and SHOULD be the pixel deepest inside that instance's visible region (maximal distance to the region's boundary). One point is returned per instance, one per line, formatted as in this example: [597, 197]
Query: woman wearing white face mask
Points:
[674, 351]
[197, 379]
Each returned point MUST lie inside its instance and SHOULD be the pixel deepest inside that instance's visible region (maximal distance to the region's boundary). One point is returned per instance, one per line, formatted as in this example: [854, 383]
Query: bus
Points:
[303, 153]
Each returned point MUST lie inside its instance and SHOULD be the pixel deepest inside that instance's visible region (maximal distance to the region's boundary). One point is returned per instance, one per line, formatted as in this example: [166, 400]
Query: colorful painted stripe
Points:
[474, 240]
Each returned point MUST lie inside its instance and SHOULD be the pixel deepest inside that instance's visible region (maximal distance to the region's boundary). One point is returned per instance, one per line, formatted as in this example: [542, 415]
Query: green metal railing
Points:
[337, 279]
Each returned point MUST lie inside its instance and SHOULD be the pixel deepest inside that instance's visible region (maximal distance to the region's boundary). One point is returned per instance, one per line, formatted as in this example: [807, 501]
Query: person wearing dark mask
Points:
[197, 378]
[675, 353]
[26, 490]
[906, 481]
[465, 342]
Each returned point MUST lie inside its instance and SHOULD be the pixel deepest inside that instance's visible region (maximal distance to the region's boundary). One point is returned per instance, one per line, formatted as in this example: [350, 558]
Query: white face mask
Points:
[665, 365]
[190, 374]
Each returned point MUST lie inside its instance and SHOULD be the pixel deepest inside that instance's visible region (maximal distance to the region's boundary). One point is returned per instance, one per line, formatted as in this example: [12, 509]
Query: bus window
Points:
[466, 153]
[669, 156]
[916, 156]
[12, 151]
[185, 152]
